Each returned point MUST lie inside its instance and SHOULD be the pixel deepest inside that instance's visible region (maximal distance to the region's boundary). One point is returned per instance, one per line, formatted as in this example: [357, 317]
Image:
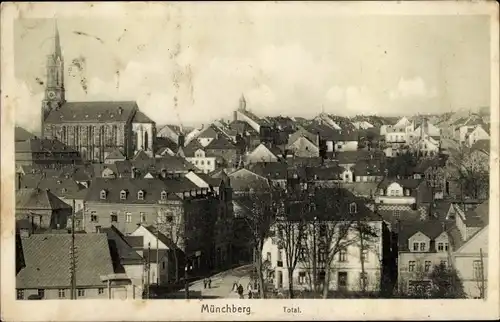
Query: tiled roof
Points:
[192, 147]
[21, 134]
[272, 170]
[135, 241]
[60, 187]
[368, 168]
[163, 142]
[161, 237]
[175, 128]
[42, 145]
[221, 143]
[140, 117]
[323, 173]
[362, 189]
[141, 156]
[115, 155]
[478, 217]
[38, 199]
[348, 157]
[242, 180]
[298, 161]
[481, 145]
[152, 189]
[119, 244]
[92, 112]
[430, 228]
[48, 262]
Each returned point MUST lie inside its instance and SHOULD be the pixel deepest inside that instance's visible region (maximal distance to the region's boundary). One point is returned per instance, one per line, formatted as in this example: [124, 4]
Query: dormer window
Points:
[103, 194]
[140, 195]
[123, 195]
[407, 192]
[163, 195]
[353, 208]
[381, 192]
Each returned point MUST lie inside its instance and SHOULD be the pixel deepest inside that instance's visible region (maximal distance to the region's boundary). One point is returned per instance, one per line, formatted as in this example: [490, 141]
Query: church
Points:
[95, 129]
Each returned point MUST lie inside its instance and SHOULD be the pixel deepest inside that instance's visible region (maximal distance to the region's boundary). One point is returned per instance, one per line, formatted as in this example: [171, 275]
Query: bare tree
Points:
[471, 172]
[261, 211]
[291, 228]
[173, 228]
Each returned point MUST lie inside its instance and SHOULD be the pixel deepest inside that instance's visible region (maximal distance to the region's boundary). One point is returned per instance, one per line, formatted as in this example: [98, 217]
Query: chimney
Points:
[180, 140]
[235, 116]
[19, 181]
[24, 233]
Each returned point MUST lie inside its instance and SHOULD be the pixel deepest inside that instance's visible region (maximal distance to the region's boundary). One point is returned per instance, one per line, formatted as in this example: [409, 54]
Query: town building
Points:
[49, 277]
[469, 240]
[48, 153]
[42, 210]
[92, 128]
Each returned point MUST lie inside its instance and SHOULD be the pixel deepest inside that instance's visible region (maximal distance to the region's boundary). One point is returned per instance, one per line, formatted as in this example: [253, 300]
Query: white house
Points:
[469, 238]
[399, 133]
[203, 162]
[362, 125]
[477, 133]
[427, 146]
[155, 251]
[303, 148]
[397, 191]
[345, 271]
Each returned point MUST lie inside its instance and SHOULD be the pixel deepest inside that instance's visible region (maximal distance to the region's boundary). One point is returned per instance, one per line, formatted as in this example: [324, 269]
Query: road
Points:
[222, 284]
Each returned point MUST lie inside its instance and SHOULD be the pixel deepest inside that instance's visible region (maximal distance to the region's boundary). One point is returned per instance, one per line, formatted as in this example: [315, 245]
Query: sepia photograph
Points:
[213, 158]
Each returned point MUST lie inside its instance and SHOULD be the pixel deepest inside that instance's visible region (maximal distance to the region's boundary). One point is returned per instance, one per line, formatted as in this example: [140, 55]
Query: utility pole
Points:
[314, 258]
[148, 281]
[73, 255]
[186, 283]
[483, 295]
[157, 256]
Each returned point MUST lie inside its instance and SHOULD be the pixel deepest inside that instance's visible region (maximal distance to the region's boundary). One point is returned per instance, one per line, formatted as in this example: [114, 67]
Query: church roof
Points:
[93, 112]
[140, 117]
[22, 134]
[116, 154]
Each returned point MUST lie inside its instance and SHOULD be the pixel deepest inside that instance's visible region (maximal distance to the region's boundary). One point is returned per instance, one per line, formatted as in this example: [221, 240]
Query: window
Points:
[422, 247]
[163, 195]
[339, 146]
[169, 218]
[140, 195]
[62, 293]
[381, 192]
[322, 256]
[440, 247]
[196, 162]
[427, 266]
[208, 162]
[100, 290]
[446, 246]
[343, 255]
[114, 217]
[411, 266]
[322, 229]
[123, 195]
[103, 194]
[415, 247]
[143, 217]
[268, 256]
[342, 279]
[81, 292]
[303, 253]
[407, 192]
[364, 255]
[128, 217]
[444, 263]
[41, 293]
[20, 294]
[353, 208]
[163, 265]
[202, 162]
[302, 277]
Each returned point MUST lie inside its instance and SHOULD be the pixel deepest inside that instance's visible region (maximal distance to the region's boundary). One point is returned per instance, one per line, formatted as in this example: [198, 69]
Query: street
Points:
[222, 284]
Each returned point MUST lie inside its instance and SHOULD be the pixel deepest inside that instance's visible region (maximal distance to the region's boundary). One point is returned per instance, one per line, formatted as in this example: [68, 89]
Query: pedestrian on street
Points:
[204, 283]
[250, 293]
[235, 287]
[209, 283]
[240, 291]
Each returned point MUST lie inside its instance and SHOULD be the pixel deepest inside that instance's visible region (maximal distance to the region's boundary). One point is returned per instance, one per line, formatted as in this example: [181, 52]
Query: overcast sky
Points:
[194, 69]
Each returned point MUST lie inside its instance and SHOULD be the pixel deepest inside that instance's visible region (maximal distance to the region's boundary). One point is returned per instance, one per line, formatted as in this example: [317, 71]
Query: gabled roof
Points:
[271, 170]
[408, 228]
[116, 154]
[481, 145]
[92, 112]
[141, 156]
[405, 183]
[59, 186]
[244, 179]
[120, 246]
[21, 134]
[368, 168]
[140, 117]
[48, 262]
[38, 199]
[221, 142]
[162, 237]
[348, 157]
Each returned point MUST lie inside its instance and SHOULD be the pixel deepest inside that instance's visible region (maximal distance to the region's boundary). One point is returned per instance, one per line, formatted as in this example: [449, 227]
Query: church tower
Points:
[54, 87]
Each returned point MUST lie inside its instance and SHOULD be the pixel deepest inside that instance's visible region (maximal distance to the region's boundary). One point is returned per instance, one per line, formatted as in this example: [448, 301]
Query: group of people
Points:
[207, 282]
[238, 288]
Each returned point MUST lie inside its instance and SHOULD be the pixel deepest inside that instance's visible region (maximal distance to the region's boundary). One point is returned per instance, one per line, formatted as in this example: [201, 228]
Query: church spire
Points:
[243, 103]
[57, 43]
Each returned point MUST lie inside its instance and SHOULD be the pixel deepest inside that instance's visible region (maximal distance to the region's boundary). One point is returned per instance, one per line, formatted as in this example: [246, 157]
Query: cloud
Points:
[28, 107]
[335, 94]
[412, 88]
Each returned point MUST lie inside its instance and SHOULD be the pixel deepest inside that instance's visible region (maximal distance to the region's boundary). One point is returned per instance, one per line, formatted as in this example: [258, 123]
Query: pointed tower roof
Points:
[57, 42]
[243, 102]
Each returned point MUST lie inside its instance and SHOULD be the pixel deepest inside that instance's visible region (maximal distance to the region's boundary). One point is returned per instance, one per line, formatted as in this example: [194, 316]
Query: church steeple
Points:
[243, 103]
[54, 89]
